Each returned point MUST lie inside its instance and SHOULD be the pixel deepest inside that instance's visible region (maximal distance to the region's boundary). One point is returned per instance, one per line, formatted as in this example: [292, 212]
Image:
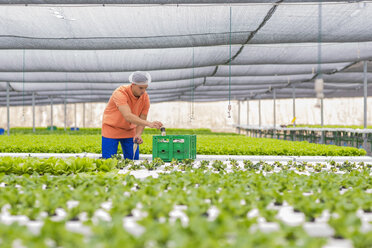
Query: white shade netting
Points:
[80, 51]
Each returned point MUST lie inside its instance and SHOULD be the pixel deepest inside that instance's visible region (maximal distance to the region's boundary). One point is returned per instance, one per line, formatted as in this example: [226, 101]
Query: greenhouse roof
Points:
[80, 51]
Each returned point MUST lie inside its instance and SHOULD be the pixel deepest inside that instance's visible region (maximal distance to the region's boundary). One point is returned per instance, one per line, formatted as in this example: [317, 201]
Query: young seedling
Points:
[158, 162]
[300, 167]
[267, 167]
[278, 164]
[233, 162]
[117, 156]
[321, 165]
[186, 164]
[247, 164]
[218, 165]
[135, 166]
[204, 165]
[148, 165]
[188, 161]
[128, 161]
[347, 166]
[317, 168]
[174, 162]
[125, 163]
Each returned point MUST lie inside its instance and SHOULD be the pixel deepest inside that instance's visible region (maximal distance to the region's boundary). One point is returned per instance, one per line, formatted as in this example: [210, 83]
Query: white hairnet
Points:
[140, 78]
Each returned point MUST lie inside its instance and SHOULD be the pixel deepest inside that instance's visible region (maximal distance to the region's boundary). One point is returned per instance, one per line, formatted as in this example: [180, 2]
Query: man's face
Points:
[138, 90]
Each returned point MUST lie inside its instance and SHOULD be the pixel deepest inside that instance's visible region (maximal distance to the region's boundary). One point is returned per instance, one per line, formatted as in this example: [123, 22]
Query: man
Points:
[125, 117]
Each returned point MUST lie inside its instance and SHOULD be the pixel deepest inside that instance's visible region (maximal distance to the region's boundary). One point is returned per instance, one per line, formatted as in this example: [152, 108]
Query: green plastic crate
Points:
[50, 128]
[174, 146]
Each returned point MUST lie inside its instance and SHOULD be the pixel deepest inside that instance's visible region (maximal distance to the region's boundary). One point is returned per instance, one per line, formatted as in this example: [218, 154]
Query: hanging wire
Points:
[229, 107]
[65, 104]
[193, 84]
[23, 85]
[192, 87]
[319, 83]
[320, 39]
[190, 110]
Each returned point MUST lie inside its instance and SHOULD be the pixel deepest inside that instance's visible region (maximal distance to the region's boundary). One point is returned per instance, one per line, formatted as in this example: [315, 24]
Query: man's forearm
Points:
[129, 117]
[136, 120]
[139, 130]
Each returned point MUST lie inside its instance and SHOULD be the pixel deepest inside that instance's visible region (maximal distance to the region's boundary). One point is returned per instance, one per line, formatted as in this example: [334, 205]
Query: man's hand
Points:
[129, 117]
[137, 139]
[155, 124]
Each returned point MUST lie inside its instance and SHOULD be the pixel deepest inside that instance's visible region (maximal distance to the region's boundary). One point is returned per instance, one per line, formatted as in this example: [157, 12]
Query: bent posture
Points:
[125, 117]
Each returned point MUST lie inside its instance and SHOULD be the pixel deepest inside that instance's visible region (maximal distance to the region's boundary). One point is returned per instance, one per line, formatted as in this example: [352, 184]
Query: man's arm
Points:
[129, 117]
[139, 129]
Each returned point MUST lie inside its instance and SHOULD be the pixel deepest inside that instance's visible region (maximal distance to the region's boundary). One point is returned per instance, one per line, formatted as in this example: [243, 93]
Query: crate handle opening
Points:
[179, 141]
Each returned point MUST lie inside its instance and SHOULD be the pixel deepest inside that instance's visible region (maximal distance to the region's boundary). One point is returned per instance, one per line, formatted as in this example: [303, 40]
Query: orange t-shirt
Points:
[114, 125]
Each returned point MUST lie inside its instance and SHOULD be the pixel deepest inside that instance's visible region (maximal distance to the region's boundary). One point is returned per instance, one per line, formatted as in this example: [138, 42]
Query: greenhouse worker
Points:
[125, 117]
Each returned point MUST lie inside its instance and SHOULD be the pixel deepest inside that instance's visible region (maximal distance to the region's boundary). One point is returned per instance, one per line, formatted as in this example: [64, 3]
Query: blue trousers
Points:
[110, 147]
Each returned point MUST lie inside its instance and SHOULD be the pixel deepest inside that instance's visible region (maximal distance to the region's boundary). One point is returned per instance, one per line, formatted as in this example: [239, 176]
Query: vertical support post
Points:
[294, 104]
[259, 112]
[365, 103]
[33, 112]
[239, 116]
[75, 117]
[51, 113]
[322, 119]
[259, 115]
[274, 107]
[247, 116]
[65, 114]
[91, 114]
[7, 107]
[319, 72]
[84, 115]
[247, 112]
